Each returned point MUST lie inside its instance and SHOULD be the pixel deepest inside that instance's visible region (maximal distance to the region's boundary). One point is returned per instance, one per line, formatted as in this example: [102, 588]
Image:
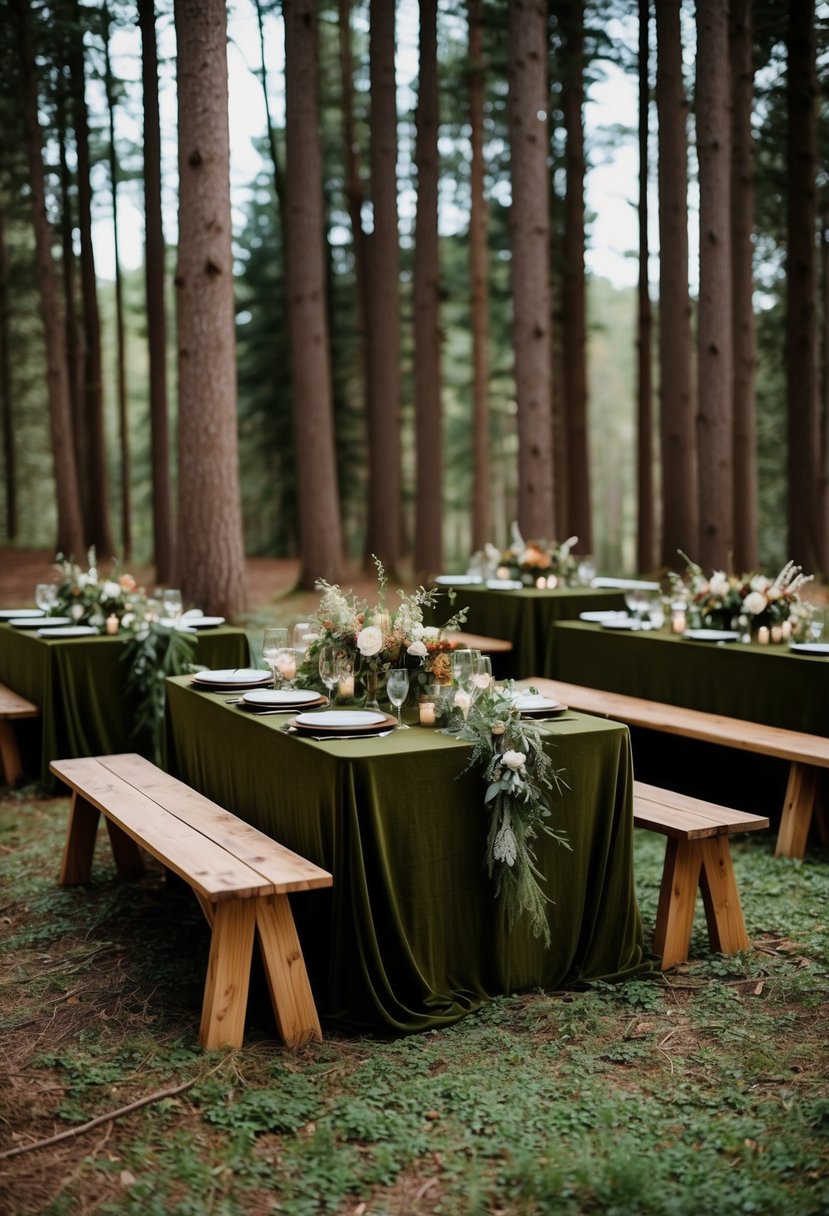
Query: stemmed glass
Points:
[330, 666]
[637, 602]
[464, 665]
[172, 604]
[397, 689]
[273, 641]
[481, 675]
[46, 595]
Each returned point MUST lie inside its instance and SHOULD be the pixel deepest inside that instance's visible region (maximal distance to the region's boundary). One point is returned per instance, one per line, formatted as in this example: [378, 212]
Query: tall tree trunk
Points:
[120, 345]
[744, 330]
[574, 312]
[680, 509]
[75, 344]
[211, 557]
[97, 520]
[319, 516]
[824, 356]
[807, 530]
[6, 398]
[715, 363]
[530, 241]
[428, 551]
[383, 299]
[479, 288]
[163, 532]
[278, 176]
[645, 535]
[70, 537]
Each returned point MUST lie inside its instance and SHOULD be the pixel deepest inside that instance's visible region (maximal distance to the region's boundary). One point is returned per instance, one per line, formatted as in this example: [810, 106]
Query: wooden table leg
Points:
[291, 996]
[80, 841]
[798, 806]
[723, 911]
[677, 899]
[228, 974]
[10, 754]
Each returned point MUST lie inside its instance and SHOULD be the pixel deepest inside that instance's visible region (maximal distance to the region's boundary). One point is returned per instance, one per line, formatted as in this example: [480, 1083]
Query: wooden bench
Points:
[240, 876]
[478, 641]
[698, 854]
[12, 707]
[807, 754]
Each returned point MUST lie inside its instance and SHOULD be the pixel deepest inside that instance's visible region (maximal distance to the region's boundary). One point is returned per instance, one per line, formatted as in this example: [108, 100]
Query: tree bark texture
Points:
[70, 533]
[743, 325]
[428, 549]
[578, 519]
[715, 363]
[645, 533]
[97, 526]
[6, 397]
[807, 529]
[72, 324]
[680, 512]
[163, 530]
[384, 530]
[318, 501]
[211, 559]
[479, 288]
[530, 243]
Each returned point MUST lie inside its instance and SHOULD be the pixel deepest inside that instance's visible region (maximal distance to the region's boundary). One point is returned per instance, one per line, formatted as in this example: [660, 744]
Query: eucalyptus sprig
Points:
[520, 778]
[152, 653]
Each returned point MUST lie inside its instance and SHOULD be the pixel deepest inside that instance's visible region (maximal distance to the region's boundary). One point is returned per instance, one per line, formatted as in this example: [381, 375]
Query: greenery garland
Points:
[154, 652]
[519, 775]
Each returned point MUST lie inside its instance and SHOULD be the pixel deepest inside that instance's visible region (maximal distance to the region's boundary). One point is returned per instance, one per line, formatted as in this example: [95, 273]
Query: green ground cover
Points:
[703, 1090]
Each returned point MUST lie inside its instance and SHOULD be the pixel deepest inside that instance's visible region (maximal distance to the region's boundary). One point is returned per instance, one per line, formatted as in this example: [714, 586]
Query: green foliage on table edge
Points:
[151, 655]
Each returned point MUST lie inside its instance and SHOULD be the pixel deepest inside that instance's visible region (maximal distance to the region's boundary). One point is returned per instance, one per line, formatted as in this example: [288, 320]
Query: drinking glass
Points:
[481, 675]
[46, 595]
[172, 604]
[397, 689]
[285, 663]
[637, 603]
[273, 641]
[330, 667]
[345, 675]
[816, 624]
[463, 667]
[302, 631]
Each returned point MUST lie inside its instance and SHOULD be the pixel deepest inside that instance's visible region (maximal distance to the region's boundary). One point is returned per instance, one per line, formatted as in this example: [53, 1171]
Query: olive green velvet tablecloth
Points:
[411, 935]
[524, 617]
[78, 686]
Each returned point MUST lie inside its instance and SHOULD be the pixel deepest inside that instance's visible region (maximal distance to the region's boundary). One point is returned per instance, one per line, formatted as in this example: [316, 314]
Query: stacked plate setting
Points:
[343, 722]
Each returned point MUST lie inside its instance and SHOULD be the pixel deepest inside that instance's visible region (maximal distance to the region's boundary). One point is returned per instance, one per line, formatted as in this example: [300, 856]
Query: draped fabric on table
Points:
[411, 936]
[78, 686]
[524, 618]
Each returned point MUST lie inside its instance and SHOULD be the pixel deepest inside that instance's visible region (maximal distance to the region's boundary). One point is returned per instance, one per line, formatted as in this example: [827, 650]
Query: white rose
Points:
[417, 650]
[760, 583]
[76, 611]
[719, 583]
[514, 760]
[370, 641]
[430, 633]
[110, 590]
[755, 603]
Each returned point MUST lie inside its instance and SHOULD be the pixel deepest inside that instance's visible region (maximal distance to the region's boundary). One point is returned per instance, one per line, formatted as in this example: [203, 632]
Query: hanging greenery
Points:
[153, 653]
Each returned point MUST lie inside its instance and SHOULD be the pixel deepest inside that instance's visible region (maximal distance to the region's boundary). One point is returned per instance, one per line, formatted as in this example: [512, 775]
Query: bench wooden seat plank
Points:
[697, 856]
[805, 753]
[479, 641]
[240, 876]
[13, 707]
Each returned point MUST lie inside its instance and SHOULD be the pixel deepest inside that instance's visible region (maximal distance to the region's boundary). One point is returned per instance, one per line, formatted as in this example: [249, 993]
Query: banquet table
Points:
[758, 683]
[78, 686]
[411, 935]
[525, 617]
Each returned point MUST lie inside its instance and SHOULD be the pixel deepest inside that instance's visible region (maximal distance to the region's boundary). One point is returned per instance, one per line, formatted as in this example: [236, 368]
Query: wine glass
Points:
[46, 595]
[273, 641]
[397, 689]
[302, 635]
[330, 667]
[637, 602]
[481, 675]
[172, 604]
[463, 667]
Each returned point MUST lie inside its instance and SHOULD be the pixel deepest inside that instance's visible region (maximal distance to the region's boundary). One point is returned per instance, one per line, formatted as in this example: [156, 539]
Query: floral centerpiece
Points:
[519, 778]
[382, 635]
[745, 601]
[90, 599]
[533, 560]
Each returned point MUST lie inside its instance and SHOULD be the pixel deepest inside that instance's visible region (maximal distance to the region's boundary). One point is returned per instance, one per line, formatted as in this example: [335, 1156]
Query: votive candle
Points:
[776, 633]
[763, 635]
[427, 713]
[346, 687]
[112, 624]
[286, 666]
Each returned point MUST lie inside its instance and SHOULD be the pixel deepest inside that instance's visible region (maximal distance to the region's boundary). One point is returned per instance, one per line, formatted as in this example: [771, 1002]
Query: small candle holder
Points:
[112, 624]
[427, 710]
[763, 635]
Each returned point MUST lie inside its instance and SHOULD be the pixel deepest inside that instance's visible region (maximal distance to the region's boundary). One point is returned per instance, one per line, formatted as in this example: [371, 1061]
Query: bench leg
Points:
[723, 912]
[80, 842]
[129, 861]
[798, 806]
[228, 974]
[677, 897]
[288, 984]
[10, 754]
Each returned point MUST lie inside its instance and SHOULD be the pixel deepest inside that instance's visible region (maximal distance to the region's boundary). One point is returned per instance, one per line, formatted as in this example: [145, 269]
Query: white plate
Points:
[36, 622]
[234, 677]
[530, 703]
[341, 719]
[202, 622]
[624, 584]
[457, 580]
[68, 631]
[711, 635]
[15, 614]
[810, 647]
[281, 696]
[627, 622]
[609, 614]
[504, 584]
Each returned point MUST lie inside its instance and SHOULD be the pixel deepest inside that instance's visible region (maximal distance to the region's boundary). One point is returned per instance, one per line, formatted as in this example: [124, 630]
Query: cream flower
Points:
[417, 650]
[755, 603]
[718, 584]
[370, 641]
[514, 760]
